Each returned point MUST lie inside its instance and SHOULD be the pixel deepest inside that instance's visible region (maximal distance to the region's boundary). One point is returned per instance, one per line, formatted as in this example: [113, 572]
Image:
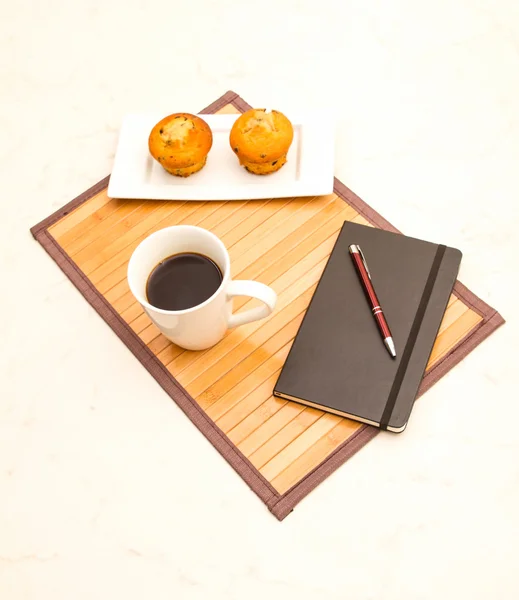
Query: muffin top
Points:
[261, 137]
[180, 140]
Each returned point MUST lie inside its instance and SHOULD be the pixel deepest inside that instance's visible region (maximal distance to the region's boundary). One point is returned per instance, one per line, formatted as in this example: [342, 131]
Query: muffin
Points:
[261, 140]
[180, 143]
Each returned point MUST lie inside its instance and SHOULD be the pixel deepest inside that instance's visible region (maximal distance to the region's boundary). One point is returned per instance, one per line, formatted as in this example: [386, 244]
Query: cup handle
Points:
[254, 289]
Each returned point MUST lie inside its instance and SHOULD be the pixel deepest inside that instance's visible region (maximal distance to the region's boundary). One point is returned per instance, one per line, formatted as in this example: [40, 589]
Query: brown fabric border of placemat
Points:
[279, 504]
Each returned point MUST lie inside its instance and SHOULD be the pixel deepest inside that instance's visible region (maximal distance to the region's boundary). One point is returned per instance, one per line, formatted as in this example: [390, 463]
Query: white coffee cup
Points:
[204, 325]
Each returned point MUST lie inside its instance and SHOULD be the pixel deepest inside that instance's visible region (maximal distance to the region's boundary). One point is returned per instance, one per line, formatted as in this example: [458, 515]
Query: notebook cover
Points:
[338, 361]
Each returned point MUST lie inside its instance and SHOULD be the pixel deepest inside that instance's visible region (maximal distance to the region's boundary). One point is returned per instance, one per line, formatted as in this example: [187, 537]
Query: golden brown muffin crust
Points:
[181, 141]
[265, 168]
[186, 171]
[261, 138]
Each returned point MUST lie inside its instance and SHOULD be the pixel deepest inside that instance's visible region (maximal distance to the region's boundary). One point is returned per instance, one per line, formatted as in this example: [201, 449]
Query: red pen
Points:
[365, 278]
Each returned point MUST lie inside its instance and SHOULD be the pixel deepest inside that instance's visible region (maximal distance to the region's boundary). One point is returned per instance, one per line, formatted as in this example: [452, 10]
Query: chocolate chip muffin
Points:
[180, 143]
[261, 140]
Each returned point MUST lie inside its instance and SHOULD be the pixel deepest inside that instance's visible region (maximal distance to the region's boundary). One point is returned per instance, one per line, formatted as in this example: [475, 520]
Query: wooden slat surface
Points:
[284, 243]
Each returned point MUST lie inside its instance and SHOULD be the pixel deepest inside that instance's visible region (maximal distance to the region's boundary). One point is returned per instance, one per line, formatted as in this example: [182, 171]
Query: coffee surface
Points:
[183, 281]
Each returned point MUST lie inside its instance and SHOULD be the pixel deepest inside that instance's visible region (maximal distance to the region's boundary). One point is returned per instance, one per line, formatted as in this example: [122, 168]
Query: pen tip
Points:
[390, 345]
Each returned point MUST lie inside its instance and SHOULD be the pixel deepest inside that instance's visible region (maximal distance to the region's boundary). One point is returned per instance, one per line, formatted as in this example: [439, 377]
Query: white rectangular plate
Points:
[308, 171]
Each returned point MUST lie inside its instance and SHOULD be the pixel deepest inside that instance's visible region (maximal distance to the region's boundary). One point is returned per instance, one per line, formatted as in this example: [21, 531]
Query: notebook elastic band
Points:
[413, 335]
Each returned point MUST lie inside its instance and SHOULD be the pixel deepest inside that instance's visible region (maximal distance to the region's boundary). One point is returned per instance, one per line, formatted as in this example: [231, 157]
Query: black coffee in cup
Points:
[183, 281]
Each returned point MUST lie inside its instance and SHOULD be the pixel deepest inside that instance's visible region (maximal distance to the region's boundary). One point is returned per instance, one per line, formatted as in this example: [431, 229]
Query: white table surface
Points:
[98, 497]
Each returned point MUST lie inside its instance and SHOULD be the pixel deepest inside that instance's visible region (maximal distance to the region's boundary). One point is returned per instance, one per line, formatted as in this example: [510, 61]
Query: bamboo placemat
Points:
[281, 449]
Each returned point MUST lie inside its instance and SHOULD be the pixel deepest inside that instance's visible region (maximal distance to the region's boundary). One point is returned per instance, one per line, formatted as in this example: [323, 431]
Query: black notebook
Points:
[338, 362]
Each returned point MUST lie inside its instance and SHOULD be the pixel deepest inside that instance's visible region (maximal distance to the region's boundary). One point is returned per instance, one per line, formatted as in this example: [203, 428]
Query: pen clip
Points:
[363, 258]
